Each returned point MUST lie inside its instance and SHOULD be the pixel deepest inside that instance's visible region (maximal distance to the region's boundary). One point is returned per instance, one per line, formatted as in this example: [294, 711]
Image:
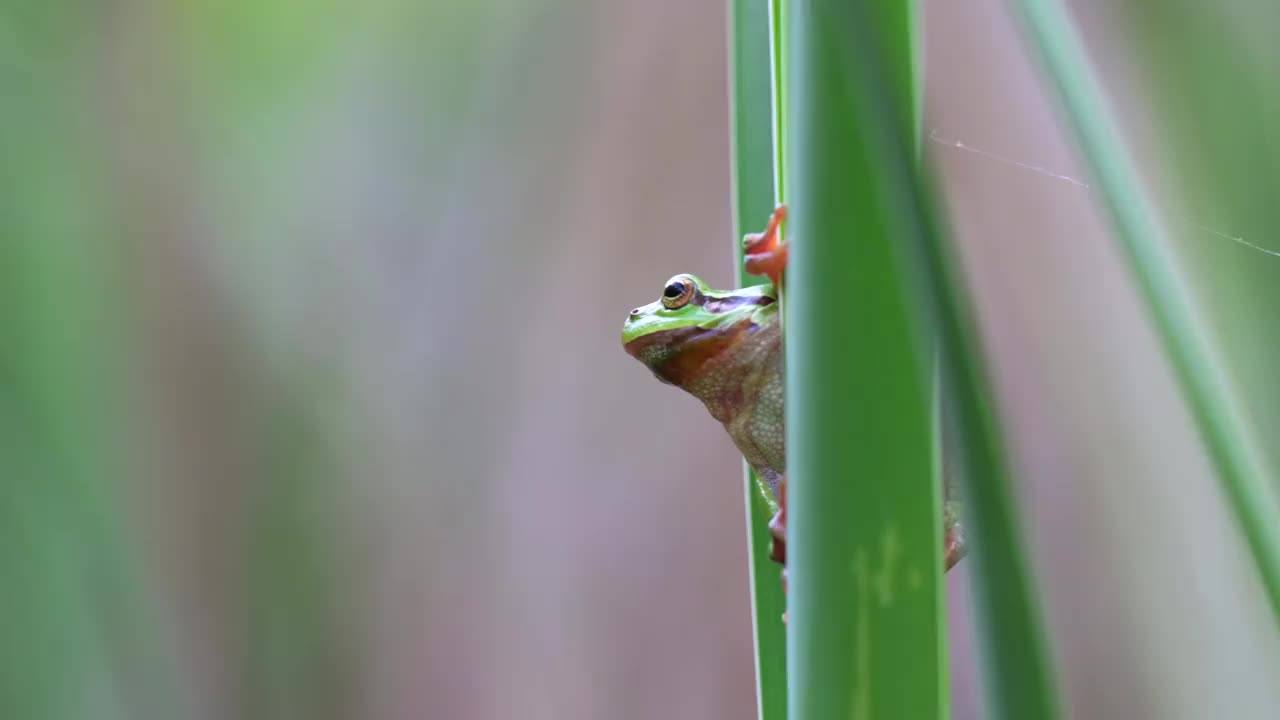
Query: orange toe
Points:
[765, 252]
[771, 264]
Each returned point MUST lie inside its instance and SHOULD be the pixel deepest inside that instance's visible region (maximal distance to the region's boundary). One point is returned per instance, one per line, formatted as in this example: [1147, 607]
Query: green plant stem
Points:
[870, 273]
[752, 115]
[864, 528]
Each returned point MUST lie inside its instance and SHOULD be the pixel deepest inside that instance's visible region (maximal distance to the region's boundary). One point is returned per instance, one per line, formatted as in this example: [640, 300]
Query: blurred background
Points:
[312, 399]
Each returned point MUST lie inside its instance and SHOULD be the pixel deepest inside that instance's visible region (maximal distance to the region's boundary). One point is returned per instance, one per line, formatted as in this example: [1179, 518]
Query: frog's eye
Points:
[679, 291]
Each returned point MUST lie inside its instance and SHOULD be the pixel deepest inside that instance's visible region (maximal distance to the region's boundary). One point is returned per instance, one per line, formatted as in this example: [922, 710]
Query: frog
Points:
[726, 349]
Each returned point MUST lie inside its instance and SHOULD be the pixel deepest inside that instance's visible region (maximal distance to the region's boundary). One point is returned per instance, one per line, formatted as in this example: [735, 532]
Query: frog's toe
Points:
[765, 253]
[778, 546]
[778, 527]
[770, 264]
[954, 544]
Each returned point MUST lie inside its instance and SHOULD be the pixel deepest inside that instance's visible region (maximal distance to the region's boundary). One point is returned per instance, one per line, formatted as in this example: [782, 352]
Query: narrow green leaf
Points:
[1145, 240]
[753, 180]
[778, 79]
[864, 530]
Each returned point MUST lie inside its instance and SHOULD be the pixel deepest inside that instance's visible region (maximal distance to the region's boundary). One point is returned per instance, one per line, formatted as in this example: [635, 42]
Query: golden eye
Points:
[679, 291]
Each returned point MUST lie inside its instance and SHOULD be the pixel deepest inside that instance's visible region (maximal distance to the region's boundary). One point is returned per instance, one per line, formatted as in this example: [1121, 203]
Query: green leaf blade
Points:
[1216, 410]
[752, 116]
[864, 531]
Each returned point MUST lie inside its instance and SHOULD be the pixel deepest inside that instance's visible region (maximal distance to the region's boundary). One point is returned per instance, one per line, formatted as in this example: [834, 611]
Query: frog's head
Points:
[692, 324]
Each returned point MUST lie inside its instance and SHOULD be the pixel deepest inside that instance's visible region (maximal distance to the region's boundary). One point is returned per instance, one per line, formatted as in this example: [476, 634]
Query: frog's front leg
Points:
[765, 253]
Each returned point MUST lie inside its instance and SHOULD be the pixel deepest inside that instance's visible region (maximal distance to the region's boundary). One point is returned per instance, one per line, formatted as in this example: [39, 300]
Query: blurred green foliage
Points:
[82, 257]
[1215, 154]
[1228, 436]
[71, 593]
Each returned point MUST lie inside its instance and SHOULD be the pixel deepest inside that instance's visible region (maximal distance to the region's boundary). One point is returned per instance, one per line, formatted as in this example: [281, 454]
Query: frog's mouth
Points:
[680, 355]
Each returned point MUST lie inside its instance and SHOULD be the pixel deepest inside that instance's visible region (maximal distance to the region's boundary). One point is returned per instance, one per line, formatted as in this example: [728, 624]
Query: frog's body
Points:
[725, 348]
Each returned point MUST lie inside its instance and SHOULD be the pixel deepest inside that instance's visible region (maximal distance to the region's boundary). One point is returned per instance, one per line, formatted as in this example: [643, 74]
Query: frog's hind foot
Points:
[778, 527]
[953, 544]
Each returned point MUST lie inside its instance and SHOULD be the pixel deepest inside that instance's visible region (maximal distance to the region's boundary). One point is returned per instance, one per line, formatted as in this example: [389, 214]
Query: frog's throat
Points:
[681, 356]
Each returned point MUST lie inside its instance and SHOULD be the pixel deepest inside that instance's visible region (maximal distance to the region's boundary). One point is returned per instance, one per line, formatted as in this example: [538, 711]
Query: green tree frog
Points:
[725, 348]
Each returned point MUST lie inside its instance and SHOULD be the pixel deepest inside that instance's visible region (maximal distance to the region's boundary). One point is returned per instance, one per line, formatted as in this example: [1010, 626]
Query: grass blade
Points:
[856, 176]
[752, 113]
[864, 533]
[1145, 240]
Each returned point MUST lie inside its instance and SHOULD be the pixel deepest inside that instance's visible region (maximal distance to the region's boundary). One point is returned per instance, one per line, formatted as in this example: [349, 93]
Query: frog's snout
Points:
[634, 312]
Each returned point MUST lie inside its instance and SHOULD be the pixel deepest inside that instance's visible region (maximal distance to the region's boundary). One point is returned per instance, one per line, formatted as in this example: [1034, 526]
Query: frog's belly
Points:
[759, 430]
